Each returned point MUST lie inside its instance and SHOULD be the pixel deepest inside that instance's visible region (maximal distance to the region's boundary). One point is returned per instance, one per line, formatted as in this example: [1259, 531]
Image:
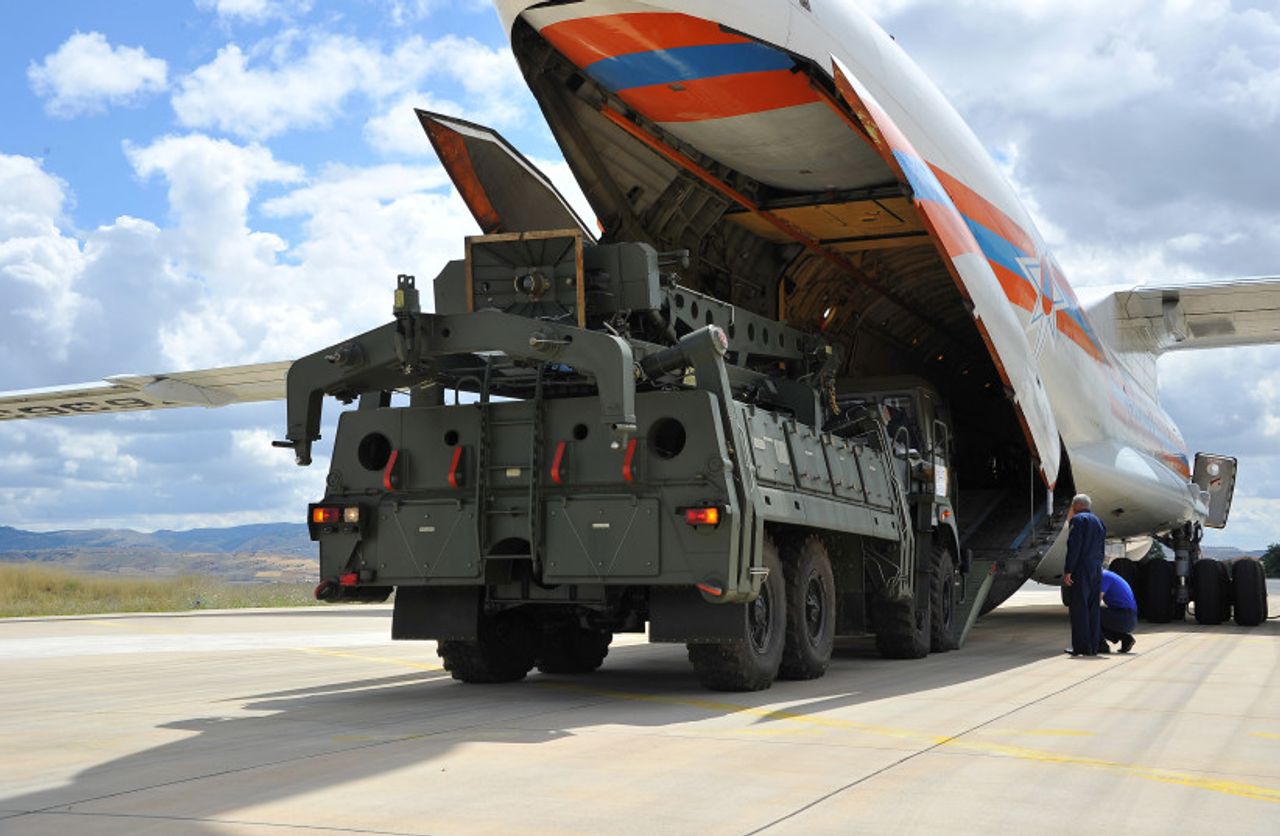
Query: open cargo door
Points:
[504, 191]
[1000, 329]
[1216, 476]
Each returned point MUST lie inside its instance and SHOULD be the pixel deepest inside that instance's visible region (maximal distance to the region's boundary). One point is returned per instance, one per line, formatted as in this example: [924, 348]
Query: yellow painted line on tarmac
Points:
[389, 660]
[1266, 735]
[1165, 776]
[1039, 732]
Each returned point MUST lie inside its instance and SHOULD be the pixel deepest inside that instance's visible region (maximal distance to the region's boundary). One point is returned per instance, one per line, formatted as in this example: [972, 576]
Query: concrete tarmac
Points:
[295, 721]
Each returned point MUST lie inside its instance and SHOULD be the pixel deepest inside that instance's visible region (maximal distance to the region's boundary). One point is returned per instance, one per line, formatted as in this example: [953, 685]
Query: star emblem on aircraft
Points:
[1042, 326]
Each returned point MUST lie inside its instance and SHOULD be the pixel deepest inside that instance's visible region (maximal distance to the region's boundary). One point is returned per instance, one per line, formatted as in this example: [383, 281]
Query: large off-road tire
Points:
[944, 594]
[903, 628]
[749, 663]
[572, 649]
[1249, 580]
[811, 610]
[1211, 589]
[1158, 584]
[1129, 570]
[502, 652]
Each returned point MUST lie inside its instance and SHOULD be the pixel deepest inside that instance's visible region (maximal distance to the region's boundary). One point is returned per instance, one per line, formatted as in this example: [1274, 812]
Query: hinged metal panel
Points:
[1216, 476]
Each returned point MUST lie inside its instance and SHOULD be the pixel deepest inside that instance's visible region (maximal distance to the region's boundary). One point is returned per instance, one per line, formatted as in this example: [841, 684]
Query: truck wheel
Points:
[572, 649]
[1158, 585]
[944, 627]
[1250, 582]
[502, 652]
[1211, 588]
[811, 611]
[751, 662]
[903, 628]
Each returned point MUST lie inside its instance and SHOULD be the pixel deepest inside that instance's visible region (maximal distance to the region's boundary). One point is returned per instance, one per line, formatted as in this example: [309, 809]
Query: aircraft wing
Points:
[130, 393]
[1210, 315]
[504, 191]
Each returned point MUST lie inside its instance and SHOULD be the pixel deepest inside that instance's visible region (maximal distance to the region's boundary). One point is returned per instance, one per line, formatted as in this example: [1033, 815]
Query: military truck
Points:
[590, 448]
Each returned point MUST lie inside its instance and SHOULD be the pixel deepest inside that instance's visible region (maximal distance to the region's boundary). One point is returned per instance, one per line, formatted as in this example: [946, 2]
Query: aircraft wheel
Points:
[503, 651]
[1132, 574]
[572, 649]
[1158, 581]
[749, 663]
[811, 610]
[1250, 583]
[1211, 589]
[944, 592]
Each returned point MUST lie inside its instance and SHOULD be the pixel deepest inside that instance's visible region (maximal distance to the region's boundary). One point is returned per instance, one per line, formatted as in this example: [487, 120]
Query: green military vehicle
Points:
[590, 448]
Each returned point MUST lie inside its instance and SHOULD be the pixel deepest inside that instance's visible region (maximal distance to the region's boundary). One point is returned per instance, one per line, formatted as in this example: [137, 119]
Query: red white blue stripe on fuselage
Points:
[674, 66]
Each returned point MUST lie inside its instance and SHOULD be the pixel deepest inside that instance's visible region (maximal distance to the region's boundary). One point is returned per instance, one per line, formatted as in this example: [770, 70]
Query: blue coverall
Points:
[1085, 552]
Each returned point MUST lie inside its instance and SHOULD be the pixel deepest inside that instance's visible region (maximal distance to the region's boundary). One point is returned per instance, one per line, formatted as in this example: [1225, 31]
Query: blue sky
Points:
[196, 183]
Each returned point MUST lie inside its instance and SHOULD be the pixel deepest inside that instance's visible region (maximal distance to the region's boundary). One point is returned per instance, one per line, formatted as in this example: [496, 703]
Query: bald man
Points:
[1086, 548]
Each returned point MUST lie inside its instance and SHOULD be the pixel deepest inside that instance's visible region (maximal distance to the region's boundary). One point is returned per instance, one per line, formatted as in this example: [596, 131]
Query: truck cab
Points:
[917, 423]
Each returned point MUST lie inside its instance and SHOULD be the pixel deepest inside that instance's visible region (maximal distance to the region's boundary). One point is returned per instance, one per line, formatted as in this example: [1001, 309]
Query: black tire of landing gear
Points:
[944, 626]
[904, 628]
[573, 649]
[1249, 580]
[811, 610]
[1211, 589]
[503, 651]
[1158, 584]
[750, 663]
[1128, 569]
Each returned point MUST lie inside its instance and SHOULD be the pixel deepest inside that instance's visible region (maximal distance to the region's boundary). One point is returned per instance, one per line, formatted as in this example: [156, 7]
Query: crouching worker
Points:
[1119, 613]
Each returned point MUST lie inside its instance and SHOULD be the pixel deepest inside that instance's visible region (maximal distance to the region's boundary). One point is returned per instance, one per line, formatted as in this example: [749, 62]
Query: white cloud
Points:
[407, 12]
[292, 83]
[254, 11]
[86, 74]
[210, 184]
[396, 131]
[38, 262]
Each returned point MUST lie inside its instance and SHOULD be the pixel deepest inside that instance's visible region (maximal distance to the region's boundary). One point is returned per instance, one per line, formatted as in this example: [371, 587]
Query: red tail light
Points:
[349, 579]
[702, 516]
[325, 516]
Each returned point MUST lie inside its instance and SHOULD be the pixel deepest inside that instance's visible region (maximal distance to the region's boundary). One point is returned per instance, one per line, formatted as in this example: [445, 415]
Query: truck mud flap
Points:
[681, 614]
[444, 612]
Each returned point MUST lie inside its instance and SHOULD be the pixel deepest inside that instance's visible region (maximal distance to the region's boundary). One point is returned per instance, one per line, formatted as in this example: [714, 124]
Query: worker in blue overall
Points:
[1119, 613]
[1083, 574]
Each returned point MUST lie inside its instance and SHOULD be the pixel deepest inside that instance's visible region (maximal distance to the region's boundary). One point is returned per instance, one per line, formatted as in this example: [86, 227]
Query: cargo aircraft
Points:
[815, 175]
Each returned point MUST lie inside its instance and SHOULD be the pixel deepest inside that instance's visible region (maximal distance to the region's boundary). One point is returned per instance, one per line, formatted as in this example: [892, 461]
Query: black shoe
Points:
[1104, 648]
[1069, 651]
[1126, 644]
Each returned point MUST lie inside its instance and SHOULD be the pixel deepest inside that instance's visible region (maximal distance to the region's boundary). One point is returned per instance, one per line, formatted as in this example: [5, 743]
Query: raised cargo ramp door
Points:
[504, 191]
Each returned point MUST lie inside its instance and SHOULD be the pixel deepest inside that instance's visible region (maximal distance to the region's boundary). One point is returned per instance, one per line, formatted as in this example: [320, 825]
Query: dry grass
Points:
[27, 590]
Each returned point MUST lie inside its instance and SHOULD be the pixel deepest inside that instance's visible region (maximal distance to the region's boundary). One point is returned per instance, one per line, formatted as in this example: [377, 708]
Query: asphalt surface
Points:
[295, 721]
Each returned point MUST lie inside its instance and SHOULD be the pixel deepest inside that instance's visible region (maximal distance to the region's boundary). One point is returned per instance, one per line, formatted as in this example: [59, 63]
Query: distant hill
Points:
[268, 551]
[277, 538]
[1229, 552]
